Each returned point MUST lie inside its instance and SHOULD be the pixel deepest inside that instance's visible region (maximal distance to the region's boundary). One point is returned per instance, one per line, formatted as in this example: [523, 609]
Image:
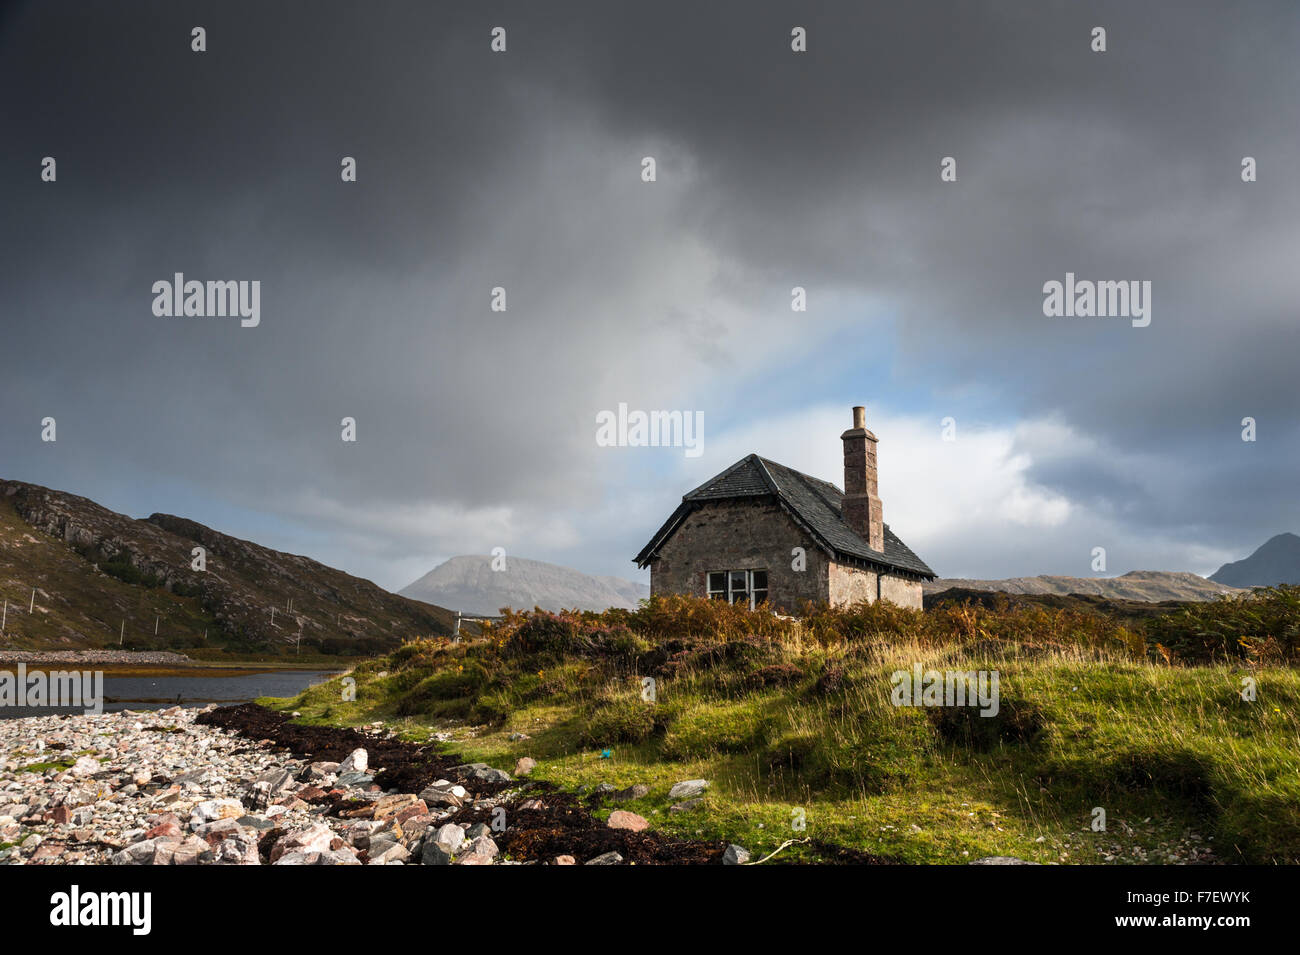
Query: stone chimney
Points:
[862, 509]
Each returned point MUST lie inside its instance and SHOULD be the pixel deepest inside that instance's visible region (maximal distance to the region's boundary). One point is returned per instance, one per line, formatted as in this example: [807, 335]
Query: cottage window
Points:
[748, 587]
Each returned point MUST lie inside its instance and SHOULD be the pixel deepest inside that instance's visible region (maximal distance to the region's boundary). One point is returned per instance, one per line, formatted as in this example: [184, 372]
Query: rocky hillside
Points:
[99, 576]
[469, 584]
[1146, 585]
[1277, 561]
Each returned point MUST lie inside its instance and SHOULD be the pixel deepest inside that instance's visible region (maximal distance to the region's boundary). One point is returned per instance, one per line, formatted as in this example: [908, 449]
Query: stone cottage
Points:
[761, 532]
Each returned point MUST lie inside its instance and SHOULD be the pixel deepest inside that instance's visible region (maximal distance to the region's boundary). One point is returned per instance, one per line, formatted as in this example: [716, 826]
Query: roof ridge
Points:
[767, 475]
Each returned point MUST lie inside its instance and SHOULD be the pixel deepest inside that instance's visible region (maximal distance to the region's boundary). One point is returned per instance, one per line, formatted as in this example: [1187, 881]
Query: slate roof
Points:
[814, 505]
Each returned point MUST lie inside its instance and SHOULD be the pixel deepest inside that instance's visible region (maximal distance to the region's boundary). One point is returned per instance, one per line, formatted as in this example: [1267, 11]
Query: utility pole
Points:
[32, 606]
[4, 618]
[121, 633]
[273, 616]
[155, 626]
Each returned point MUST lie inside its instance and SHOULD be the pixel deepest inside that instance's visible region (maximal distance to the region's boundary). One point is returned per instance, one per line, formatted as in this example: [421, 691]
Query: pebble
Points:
[735, 855]
[621, 819]
[688, 789]
[637, 791]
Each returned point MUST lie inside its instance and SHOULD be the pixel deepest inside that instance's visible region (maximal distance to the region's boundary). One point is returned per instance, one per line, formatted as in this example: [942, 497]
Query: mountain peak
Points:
[1276, 561]
[470, 583]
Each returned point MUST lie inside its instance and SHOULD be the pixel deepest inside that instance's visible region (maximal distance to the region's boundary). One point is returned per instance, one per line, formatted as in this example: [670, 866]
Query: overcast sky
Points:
[476, 429]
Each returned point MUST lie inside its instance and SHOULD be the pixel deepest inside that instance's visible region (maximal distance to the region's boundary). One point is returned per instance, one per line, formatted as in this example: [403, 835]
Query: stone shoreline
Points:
[143, 657]
[168, 787]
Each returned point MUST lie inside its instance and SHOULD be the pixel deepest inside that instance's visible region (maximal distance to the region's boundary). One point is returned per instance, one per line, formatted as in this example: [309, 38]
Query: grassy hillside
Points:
[76, 606]
[1129, 612]
[94, 570]
[794, 720]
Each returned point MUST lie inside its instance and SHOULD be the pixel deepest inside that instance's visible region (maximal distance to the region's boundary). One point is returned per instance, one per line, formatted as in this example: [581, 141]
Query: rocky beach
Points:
[242, 785]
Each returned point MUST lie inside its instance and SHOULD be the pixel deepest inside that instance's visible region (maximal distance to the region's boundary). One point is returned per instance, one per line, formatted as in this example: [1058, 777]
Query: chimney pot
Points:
[859, 417]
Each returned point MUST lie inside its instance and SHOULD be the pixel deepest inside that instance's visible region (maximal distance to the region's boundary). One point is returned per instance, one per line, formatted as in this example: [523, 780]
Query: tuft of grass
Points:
[42, 767]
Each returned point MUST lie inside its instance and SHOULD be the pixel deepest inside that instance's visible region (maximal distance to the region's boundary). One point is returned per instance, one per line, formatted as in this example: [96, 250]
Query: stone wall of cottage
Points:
[850, 585]
[905, 593]
[744, 534]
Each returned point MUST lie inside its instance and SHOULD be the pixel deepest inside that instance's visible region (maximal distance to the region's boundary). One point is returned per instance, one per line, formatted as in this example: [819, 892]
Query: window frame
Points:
[755, 596]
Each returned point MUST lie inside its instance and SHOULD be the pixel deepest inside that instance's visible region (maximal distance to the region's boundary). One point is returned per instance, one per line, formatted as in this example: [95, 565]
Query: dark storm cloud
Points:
[1119, 165]
[479, 170]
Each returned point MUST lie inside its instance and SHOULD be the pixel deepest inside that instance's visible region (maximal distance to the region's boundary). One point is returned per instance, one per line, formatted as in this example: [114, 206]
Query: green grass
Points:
[59, 764]
[793, 723]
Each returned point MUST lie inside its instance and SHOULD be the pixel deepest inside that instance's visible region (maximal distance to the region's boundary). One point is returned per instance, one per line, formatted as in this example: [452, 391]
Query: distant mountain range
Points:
[76, 574]
[1277, 561]
[1144, 585]
[469, 584]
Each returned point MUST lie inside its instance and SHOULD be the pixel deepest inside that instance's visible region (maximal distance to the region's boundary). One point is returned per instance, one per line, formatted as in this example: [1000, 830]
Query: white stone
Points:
[688, 789]
[356, 762]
